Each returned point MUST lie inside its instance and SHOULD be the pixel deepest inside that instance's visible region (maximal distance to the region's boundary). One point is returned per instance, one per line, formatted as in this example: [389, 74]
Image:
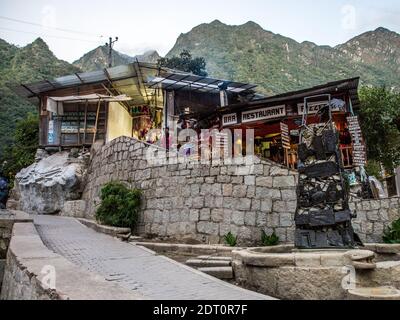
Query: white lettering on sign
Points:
[263, 114]
[285, 136]
[314, 107]
[229, 119]
[359, 150]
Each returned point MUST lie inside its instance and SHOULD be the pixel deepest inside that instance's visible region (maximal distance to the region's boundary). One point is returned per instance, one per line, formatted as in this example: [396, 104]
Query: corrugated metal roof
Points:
[143, 76]
[350, 85]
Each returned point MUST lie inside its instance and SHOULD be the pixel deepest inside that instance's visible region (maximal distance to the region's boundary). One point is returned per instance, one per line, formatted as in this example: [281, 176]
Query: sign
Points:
[229, 119]
[359, 149]
[285, 136]
[263, 114]
[50, 134]
[314, 107]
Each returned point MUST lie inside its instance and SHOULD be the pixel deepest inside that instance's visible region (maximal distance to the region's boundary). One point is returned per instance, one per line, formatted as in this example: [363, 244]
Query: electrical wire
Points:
[49, 36]
[48, 27]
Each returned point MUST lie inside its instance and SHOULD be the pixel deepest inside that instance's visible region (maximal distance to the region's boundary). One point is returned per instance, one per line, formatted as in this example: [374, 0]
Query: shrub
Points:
[392, 233]
[374, 169]
[269, 241]
[119, 205]
[230, 240]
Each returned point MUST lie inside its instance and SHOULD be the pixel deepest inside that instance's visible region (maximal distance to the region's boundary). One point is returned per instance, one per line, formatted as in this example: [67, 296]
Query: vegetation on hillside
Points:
[21, 153]
[31, 63]
[98, 59]
[380, 121]
[278, 64]
[186, 63]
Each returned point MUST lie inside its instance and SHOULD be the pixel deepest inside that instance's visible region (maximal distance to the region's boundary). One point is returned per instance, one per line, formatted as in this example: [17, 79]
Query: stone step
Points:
[214, 258]
[223, 273]
[197, 263]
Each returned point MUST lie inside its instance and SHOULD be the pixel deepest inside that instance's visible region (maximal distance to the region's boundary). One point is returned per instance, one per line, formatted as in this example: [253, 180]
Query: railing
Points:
[347, 156]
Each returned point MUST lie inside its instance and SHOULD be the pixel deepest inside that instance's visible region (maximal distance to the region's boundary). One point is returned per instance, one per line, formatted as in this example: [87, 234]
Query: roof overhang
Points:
[138, 80]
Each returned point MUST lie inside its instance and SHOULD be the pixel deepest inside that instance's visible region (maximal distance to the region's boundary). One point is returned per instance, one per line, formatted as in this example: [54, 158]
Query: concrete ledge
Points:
[187, 248]
[15, 215]
[378, 293]
[30, 262]
[218, 272]
[7, 220]
[383, 248]
[197, 263]
[111, 231]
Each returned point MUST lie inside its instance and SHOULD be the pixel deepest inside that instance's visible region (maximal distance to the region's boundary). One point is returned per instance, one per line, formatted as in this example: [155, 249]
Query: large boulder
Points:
[45, 186]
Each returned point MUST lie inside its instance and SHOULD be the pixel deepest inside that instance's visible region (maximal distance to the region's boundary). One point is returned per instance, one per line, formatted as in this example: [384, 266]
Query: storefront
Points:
[128, 100]
[276, 120]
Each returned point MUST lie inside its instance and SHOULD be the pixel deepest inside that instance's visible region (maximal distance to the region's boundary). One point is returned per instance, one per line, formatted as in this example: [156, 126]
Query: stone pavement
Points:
[135, 268]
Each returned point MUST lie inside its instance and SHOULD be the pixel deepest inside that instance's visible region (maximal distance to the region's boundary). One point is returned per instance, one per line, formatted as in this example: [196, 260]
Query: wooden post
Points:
[97, 121]
[79, 124]
[85, 125]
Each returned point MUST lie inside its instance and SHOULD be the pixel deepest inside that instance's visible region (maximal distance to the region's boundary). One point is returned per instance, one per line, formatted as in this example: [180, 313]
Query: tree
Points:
[21, 153]
[380, 121]
[186, 63]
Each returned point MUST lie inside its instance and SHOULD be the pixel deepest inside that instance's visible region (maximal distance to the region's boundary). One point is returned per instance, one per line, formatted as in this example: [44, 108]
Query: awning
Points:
[55, 104]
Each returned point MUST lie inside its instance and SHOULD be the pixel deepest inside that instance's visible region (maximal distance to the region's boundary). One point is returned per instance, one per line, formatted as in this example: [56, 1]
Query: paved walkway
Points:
[135, 268]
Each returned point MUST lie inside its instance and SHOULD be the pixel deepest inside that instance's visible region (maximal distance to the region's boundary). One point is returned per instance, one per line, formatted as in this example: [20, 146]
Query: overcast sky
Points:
[156, 24]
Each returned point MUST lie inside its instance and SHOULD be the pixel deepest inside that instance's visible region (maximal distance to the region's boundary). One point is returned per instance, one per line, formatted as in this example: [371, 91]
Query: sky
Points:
[72, 28]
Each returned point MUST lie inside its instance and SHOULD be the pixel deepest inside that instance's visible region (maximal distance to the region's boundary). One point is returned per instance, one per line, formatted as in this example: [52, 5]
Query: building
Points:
[269, 116]
[128, 100]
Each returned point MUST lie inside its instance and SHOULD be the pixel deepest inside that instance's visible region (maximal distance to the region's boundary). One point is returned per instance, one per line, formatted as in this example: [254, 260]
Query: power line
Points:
[46, 27]
[47, 35]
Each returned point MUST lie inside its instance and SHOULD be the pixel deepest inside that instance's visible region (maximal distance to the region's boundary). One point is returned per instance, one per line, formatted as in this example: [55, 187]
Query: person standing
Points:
[3, 192]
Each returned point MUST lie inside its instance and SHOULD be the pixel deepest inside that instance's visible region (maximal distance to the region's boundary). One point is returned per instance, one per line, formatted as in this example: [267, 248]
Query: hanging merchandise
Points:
[352, 179]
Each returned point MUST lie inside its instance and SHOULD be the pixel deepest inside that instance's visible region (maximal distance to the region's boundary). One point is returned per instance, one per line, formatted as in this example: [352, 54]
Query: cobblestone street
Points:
[135, 268]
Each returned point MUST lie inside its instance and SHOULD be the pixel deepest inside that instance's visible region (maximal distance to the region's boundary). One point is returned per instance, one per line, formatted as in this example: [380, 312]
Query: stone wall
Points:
[2, 265]
[373, 216]
[201, 202]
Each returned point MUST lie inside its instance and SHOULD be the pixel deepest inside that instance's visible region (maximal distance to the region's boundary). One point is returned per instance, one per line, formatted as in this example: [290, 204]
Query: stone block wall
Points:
[373, 216]
[204, 203]
[201, 202]
[5, 236]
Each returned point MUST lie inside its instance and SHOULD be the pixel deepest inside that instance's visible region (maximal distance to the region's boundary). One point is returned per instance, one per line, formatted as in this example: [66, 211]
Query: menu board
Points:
[359, 149]
[285, 136]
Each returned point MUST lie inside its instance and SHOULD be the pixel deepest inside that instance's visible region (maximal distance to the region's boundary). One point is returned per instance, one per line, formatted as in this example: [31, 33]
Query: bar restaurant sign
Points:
[255, 115]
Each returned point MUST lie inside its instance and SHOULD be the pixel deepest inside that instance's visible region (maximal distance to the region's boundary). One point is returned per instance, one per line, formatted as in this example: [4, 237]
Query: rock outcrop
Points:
[45, 186]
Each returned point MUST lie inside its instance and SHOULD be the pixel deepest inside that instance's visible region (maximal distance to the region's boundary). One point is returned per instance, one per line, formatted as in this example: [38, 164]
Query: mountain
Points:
[150, 56]
[279, 64]
[98, 59]
[31, 63]
[379, 49]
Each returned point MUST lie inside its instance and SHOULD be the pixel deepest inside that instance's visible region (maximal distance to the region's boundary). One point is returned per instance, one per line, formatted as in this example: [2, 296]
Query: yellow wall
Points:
[119, 122]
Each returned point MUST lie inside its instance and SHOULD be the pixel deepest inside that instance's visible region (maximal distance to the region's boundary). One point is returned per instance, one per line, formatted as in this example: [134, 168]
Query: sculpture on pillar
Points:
[323, 218]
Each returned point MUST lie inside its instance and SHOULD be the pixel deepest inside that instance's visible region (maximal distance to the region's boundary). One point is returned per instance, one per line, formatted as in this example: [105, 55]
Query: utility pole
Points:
[110, 48]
